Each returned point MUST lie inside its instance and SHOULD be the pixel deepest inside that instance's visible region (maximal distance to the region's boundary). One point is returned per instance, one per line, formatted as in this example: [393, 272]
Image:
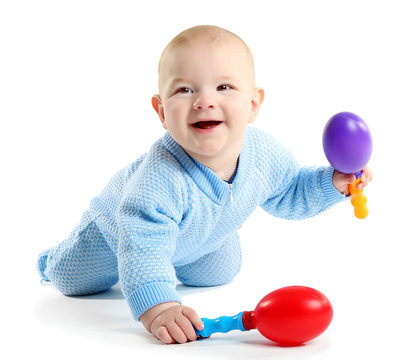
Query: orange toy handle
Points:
[358, 200]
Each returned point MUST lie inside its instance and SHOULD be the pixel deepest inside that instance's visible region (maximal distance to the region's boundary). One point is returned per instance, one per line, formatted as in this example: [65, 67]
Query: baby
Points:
[174, 212]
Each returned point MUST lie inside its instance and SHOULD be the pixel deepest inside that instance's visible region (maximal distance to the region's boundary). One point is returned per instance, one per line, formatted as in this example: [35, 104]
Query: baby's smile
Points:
[206, 126]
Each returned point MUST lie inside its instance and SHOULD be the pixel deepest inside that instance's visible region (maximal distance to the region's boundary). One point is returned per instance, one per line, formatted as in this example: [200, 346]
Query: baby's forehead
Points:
[211, 40]
[220, 41]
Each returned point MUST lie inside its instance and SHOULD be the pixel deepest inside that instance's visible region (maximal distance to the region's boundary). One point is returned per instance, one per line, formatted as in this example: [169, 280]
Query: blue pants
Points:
[84, 264]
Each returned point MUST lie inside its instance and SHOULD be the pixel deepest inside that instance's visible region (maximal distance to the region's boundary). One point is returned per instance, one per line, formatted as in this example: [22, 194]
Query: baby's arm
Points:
[172, 322]
[296, 192]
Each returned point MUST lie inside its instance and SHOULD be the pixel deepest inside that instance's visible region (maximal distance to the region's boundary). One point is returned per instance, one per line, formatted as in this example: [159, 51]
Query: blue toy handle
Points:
[222, 324]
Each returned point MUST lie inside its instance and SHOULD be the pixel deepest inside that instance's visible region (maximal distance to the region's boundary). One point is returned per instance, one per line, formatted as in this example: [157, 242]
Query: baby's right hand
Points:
[172, 322]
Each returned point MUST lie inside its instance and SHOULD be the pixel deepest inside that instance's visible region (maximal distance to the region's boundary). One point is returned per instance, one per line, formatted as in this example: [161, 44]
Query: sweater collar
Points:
[215, 188]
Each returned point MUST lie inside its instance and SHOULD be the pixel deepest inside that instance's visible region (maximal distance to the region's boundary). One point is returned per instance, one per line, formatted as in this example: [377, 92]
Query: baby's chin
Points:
[209, 151]
[213, 152]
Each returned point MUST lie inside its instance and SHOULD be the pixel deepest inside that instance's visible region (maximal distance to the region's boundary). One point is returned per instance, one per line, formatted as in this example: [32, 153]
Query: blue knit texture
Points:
[167, 217]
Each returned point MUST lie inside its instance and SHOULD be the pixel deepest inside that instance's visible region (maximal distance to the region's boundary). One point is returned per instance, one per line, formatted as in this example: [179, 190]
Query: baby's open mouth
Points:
[206, 124]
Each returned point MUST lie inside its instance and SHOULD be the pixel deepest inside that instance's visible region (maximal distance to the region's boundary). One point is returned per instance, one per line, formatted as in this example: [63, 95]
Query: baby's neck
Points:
[223, 165]
[223, 168]
[226, 174]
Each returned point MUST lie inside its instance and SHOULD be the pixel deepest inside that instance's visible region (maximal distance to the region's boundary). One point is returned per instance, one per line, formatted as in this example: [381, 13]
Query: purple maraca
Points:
[347, 143]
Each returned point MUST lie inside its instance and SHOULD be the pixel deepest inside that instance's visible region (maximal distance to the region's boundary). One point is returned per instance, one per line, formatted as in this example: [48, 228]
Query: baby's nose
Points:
[204, 101]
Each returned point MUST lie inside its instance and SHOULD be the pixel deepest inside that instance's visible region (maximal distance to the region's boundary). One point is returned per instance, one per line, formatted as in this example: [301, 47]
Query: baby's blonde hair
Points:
[210, 33]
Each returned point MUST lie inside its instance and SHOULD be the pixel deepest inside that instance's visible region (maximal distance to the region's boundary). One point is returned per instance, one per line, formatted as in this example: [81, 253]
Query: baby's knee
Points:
[207, 275]
[217, 268]
[83, 264]
[82, 274]
[74, 284]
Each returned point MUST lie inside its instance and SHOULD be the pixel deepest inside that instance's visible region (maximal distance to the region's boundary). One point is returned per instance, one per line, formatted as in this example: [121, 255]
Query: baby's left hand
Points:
[342, 181]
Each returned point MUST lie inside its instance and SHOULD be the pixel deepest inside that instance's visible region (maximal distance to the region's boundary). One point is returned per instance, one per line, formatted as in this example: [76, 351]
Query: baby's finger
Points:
[177, 333]
[364, 180]
[369, 175]
[345, 179]
[193, 318]
[162, 334]
[350, 178]
[187, 328]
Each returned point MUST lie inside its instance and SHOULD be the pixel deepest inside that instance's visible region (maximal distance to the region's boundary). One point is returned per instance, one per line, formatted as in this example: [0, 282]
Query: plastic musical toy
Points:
[289, 316]
[348, 146]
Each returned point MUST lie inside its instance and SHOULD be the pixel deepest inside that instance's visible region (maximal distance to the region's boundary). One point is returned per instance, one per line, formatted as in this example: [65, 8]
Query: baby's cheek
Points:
[238, 108]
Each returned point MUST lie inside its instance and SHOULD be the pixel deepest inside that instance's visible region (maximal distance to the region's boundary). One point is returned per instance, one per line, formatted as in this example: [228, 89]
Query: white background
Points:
[76, 78]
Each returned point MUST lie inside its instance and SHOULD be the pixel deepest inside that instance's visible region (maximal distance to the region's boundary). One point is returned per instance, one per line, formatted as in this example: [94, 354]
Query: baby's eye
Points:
[184, 90]
[224, 87]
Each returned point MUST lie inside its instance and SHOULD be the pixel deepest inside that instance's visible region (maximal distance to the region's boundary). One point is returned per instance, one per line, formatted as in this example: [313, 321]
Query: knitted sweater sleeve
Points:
[297, 192]
[148, 227]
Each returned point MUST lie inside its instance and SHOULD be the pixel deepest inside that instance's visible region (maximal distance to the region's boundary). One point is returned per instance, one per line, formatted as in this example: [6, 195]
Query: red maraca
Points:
[289, 316]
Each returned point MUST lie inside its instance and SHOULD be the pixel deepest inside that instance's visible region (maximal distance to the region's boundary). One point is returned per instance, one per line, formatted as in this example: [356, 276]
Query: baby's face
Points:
[207, 97]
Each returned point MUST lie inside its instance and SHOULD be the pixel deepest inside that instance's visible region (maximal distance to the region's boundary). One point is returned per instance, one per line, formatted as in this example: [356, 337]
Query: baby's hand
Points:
[342, 181]
[172, 322]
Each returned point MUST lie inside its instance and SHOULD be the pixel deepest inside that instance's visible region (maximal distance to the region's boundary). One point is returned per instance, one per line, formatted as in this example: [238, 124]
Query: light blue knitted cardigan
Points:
[167, 210]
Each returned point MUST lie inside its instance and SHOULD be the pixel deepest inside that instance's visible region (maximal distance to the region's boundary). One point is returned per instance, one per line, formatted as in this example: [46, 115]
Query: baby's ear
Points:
[157, 105]
[256, 101]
